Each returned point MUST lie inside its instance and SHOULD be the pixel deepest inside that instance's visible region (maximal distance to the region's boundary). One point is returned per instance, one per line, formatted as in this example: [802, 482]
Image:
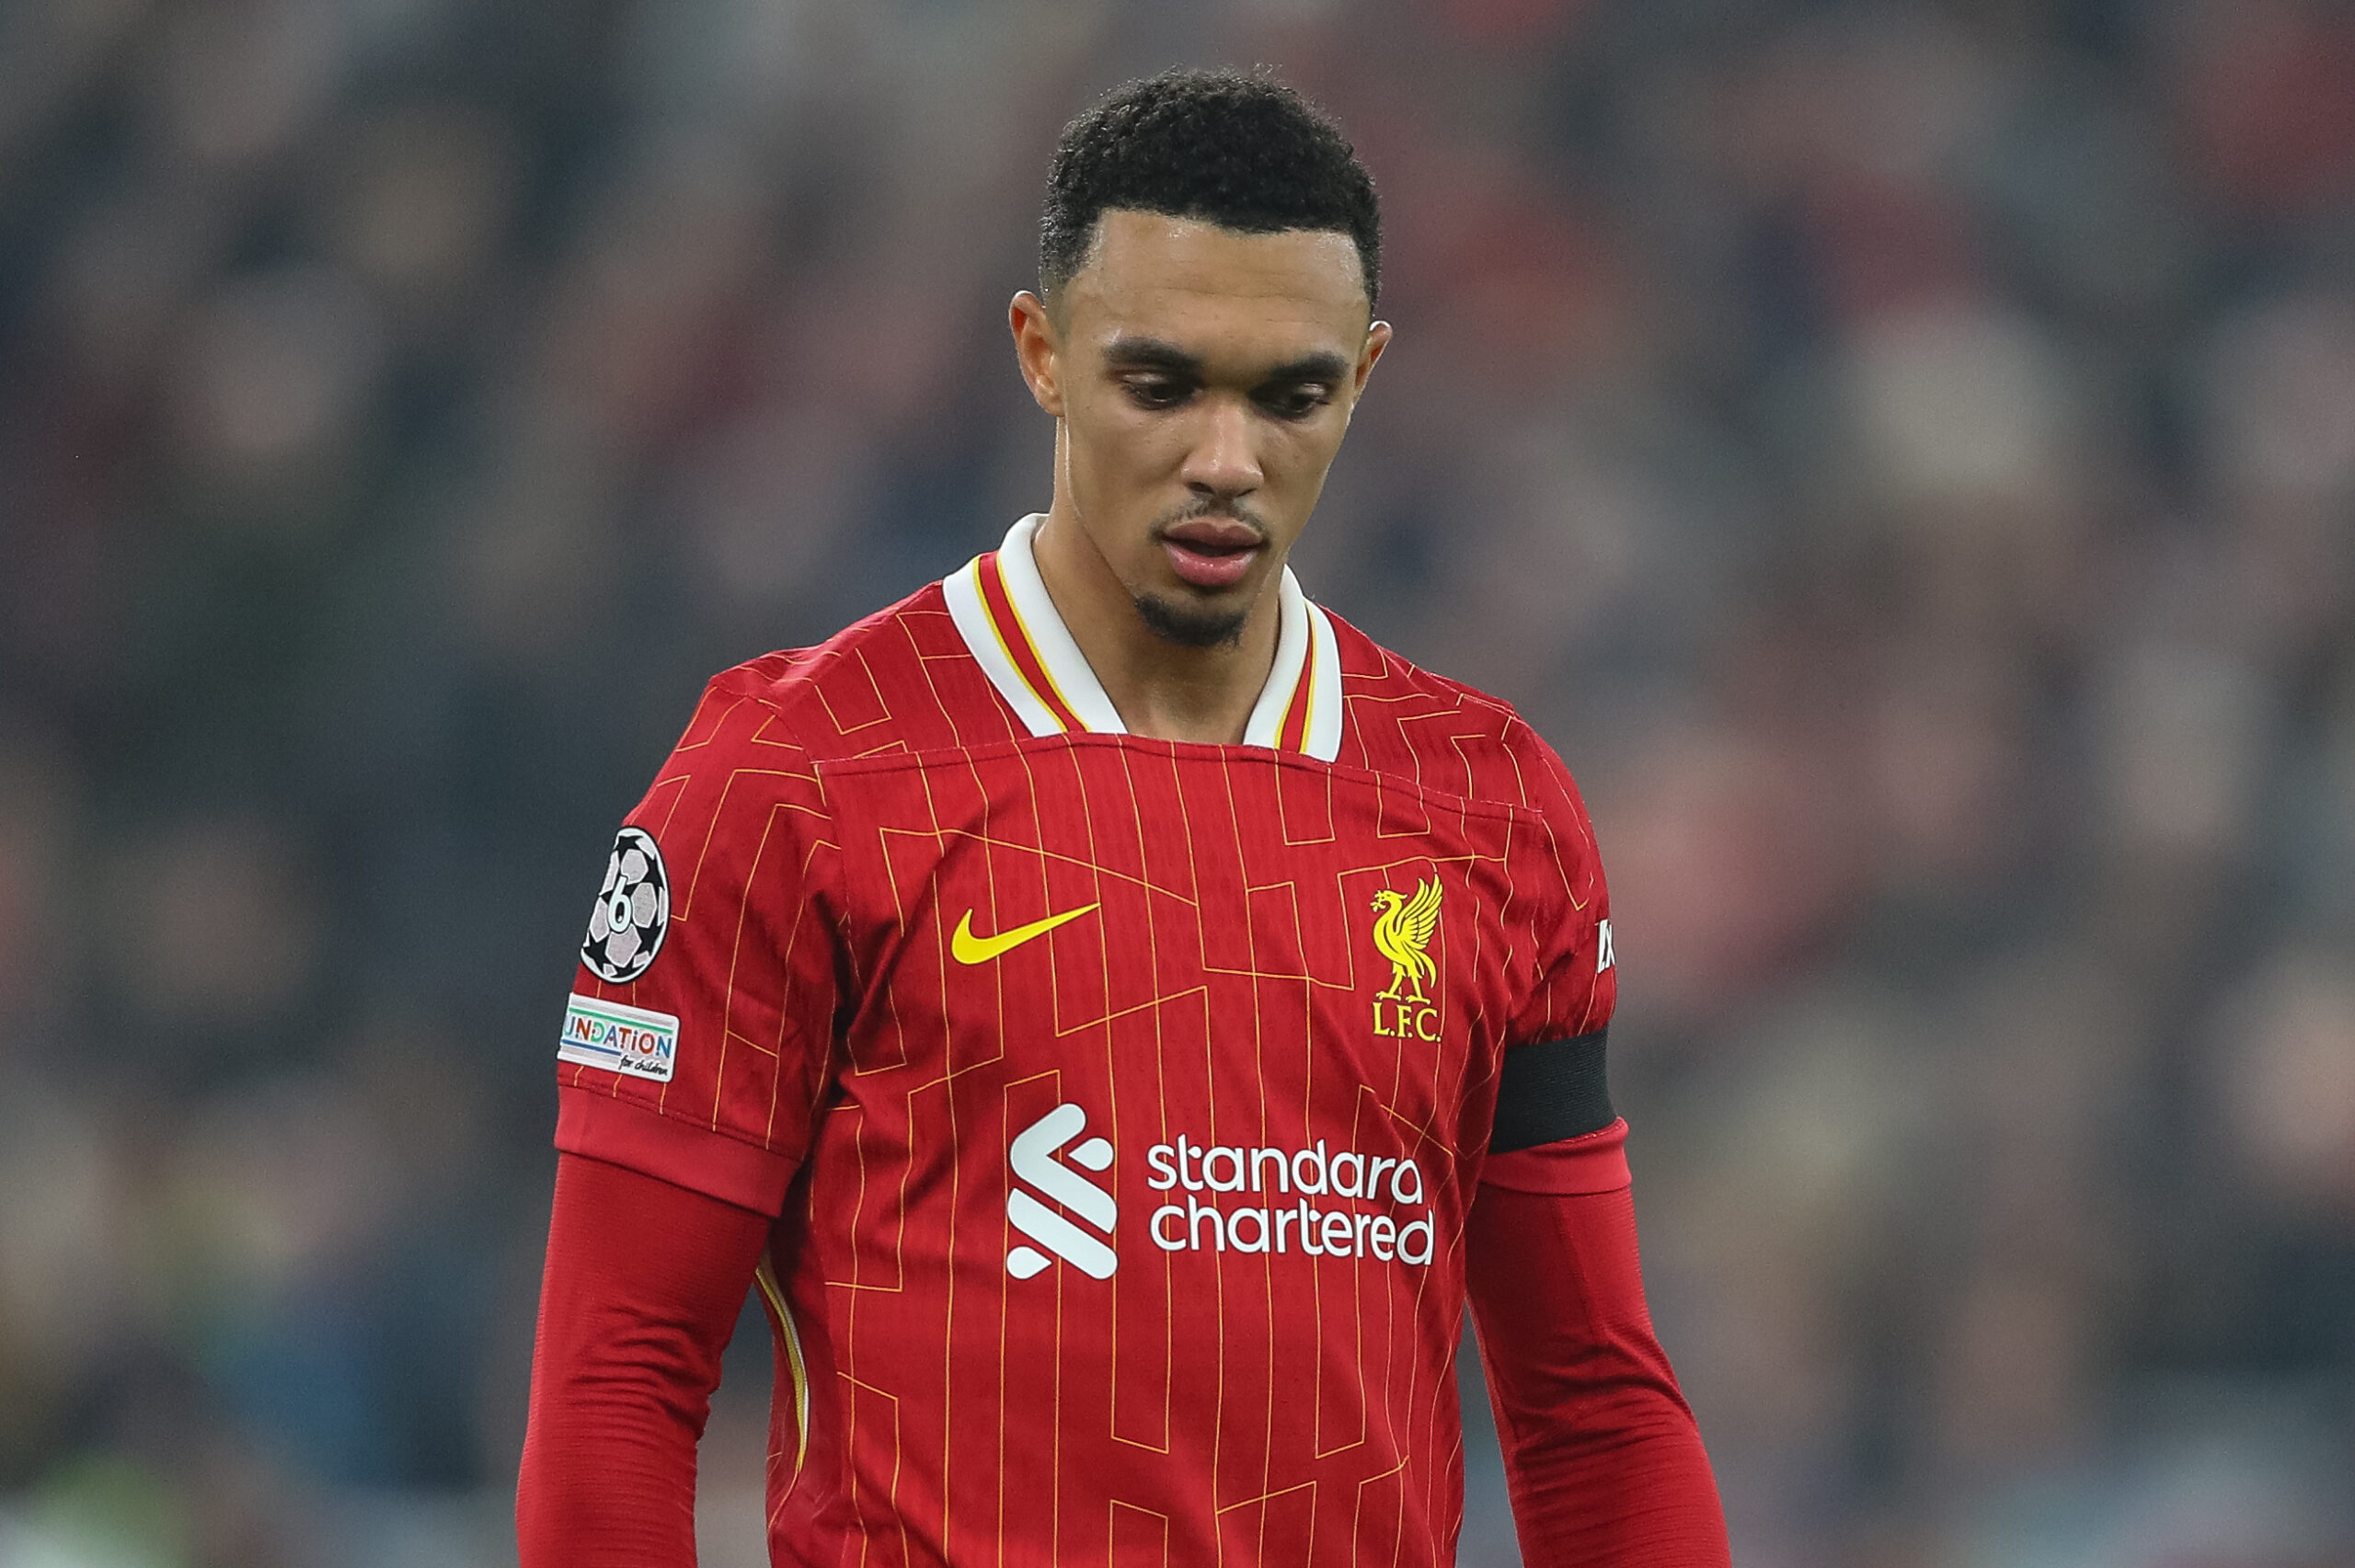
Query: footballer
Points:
[1114, 1013]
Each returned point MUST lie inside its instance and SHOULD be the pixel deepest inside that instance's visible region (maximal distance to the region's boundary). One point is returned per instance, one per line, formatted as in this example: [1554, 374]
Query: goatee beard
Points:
[1189, 627]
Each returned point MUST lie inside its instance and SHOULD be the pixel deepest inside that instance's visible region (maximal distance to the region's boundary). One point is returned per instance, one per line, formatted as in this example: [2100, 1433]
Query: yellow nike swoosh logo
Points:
[972, 949]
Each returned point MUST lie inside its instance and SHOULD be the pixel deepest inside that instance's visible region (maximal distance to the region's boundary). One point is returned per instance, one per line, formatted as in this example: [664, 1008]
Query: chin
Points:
[1203, 624]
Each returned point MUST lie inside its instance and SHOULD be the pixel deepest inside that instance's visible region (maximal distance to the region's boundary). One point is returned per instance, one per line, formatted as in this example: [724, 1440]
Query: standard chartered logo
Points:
[1033, 1160]
[1395, 1228]
[1314, 1200]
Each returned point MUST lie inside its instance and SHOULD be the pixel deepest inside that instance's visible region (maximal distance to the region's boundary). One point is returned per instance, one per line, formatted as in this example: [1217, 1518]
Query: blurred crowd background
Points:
[1903, 455]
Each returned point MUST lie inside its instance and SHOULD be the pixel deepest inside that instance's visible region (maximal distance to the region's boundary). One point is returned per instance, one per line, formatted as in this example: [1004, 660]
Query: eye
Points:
[1295, 402]
[1156, 392]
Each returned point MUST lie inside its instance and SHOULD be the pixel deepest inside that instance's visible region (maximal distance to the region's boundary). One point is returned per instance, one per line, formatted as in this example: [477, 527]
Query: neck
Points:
[1164, 690]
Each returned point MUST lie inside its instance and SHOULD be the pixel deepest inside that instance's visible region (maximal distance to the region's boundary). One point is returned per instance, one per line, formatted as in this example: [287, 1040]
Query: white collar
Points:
[1011, 626]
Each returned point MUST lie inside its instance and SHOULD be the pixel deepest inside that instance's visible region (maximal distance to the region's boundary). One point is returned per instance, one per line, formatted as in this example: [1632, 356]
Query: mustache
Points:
[1228, 510]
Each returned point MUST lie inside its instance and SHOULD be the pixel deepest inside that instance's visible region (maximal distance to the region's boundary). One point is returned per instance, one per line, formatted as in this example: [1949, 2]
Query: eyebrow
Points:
[1155, 354]
[1150, 354]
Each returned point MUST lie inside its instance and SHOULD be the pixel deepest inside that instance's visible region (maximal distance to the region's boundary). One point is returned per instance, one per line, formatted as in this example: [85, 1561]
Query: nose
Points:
[1224, 462]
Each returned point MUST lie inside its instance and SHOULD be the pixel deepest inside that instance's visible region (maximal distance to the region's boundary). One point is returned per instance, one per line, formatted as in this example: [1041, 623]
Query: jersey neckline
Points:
[1014, 633]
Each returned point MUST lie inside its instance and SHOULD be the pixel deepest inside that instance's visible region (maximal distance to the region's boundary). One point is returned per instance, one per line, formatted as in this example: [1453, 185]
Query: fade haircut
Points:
[1243, 152]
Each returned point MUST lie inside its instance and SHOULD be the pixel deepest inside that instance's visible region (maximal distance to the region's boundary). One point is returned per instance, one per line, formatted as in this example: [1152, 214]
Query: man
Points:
[1113, 1010]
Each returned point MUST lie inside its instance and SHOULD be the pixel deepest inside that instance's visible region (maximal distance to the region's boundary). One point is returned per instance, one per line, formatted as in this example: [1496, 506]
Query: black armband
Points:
[1550, 1091]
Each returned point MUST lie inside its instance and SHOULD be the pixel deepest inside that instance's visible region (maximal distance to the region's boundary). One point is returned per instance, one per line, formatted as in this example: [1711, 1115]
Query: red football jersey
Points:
[1121, 1101]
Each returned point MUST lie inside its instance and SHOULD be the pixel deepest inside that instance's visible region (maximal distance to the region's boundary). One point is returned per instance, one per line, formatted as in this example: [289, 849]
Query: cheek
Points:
[1114, 438]
[1296, 456]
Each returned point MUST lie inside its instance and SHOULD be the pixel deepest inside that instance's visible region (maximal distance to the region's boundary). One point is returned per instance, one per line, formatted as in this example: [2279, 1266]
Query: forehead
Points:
[1212, 289]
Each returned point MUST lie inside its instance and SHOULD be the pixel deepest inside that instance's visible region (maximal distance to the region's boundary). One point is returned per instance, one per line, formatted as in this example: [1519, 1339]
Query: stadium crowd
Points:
[1901, 453]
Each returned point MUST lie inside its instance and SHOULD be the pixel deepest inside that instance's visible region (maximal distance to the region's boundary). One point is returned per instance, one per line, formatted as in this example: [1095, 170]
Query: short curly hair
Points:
[1241, 151]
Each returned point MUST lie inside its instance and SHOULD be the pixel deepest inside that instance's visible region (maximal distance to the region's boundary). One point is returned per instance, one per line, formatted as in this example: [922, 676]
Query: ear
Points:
[1377, 339]
[1038, 348]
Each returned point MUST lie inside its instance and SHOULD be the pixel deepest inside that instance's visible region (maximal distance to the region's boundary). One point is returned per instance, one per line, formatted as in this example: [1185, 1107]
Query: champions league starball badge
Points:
[633, 910]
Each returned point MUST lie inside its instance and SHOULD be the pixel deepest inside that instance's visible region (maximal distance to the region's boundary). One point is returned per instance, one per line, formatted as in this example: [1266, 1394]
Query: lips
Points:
[1209, 553]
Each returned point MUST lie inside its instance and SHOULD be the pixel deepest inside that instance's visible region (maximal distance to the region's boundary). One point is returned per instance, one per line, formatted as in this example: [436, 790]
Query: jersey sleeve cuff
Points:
[621, 1132]
[1596, 1163]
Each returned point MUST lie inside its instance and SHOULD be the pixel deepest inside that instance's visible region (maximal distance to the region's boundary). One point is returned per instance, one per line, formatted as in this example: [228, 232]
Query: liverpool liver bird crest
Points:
[1402, 930]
